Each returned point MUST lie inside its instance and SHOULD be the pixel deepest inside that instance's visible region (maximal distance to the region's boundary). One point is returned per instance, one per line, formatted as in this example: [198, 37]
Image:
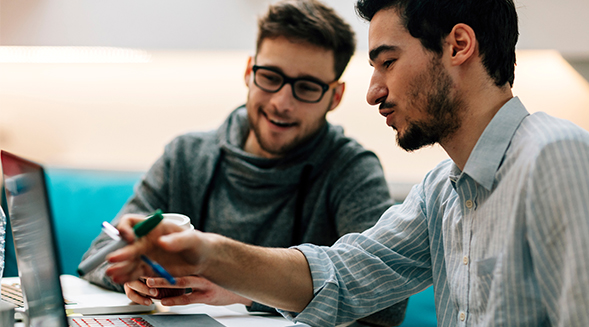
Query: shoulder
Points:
[345, 150]
[441, 172]
[435, 186]
[438, 178]
[192, 141]
[190, 150]
[541, 129]
[541, 137]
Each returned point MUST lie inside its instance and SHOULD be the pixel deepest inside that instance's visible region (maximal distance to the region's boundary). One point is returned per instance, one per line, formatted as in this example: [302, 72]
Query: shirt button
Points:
[462, 316]
[469, 204]
[465, 260]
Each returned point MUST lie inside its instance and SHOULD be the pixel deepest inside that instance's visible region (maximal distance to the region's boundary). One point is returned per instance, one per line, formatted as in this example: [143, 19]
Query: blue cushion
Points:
[80, 201]
[421, 310]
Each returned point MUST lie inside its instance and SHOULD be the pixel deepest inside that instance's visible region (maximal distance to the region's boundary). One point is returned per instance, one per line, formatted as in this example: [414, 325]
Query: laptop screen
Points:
[32, 229]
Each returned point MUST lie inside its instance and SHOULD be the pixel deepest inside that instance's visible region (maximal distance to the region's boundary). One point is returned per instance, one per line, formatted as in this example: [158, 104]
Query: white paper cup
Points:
[178, 219]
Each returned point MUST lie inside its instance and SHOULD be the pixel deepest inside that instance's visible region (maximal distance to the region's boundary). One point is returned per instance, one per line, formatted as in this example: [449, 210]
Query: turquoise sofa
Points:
[82, 199]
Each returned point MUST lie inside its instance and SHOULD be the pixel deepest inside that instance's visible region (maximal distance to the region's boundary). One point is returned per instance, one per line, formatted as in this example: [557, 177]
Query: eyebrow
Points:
[304, 76]
[374, 53]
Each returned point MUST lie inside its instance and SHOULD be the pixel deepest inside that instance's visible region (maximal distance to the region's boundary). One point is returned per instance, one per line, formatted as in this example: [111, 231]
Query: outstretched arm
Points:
[255, 272]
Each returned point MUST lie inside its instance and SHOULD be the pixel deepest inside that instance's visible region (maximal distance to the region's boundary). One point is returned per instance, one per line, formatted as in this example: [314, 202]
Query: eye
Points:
[269, 77]
[308, 87]
[388, 63]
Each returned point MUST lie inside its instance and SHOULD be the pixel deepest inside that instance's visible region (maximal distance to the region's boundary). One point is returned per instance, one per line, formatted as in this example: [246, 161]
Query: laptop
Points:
[81, 297]
[38, 261]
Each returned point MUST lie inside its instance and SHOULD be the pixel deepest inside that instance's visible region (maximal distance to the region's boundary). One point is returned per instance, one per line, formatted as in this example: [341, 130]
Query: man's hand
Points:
[179, 250]
[200, 291]
[276, 277]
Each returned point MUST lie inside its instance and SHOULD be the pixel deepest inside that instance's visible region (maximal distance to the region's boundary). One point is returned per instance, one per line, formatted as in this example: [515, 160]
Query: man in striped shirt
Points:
[501, 230]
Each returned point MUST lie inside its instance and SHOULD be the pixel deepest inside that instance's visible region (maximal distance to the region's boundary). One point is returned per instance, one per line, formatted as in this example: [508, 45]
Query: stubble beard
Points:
[269, 146]
[285, 148]
[442, 110]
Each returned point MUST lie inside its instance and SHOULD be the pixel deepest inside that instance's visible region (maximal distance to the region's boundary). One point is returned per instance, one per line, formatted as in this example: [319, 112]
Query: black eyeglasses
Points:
[303, 89]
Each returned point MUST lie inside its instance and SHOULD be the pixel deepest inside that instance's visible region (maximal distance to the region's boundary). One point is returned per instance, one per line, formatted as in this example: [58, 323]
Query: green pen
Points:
[140, 230]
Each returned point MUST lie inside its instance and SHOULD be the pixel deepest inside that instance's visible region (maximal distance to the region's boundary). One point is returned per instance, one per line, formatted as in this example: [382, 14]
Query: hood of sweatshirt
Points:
[254, 171]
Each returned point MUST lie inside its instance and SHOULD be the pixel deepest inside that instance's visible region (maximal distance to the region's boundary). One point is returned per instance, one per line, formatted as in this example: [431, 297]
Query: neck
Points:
[478, 110]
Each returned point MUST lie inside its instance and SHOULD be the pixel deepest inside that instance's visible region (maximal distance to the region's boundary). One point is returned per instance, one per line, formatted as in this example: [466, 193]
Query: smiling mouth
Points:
[278, 122]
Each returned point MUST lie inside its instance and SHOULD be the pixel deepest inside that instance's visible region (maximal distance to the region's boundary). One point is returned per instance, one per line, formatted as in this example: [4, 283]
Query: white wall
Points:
[151, 24]
[231, 24]
[560, 25]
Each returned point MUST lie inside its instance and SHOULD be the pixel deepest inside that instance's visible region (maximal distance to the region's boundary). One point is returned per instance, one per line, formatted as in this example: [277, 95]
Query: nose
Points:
[283, 99]
[377, 91]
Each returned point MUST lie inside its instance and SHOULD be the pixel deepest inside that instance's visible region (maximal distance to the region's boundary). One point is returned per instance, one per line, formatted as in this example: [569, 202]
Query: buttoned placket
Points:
[466, 189]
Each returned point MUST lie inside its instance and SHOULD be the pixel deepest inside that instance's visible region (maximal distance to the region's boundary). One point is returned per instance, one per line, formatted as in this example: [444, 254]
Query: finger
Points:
[195, 297]
[177, 242]
[181, 282]
[125, 226]
[139, 287]
[178, 300]
[159, 282]
[127, 253]
[136, 296]
[126, 271]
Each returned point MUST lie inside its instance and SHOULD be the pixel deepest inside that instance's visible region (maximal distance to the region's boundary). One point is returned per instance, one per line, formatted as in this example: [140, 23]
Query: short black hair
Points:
[494, 22]
[312, 22]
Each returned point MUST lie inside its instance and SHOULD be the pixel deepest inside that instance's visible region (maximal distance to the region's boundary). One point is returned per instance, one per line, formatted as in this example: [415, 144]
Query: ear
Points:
[337, 95]
[248, 70]
[463, 44]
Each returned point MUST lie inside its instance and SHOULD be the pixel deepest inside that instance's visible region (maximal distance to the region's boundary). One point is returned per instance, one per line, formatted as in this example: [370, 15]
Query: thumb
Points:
[177, 242]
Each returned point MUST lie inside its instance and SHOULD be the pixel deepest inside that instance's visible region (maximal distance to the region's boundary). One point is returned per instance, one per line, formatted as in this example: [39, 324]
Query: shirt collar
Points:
[488, 153]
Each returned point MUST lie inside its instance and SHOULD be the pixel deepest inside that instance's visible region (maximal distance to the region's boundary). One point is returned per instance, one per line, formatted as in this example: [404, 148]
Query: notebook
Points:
[38, 260]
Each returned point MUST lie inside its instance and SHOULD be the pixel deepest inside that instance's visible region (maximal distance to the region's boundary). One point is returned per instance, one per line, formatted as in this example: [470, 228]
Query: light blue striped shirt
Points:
[504, 242]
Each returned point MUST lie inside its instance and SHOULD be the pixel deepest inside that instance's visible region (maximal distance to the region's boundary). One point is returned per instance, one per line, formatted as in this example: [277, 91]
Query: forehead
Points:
[297, 59]
[387, 31]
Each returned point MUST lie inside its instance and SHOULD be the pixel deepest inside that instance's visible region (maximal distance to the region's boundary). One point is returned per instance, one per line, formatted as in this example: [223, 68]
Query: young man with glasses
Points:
[276, 173]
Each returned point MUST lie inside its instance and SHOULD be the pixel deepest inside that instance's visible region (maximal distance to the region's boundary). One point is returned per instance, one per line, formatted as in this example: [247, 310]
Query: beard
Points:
[277, 150]
[282, 149]
[430, 92]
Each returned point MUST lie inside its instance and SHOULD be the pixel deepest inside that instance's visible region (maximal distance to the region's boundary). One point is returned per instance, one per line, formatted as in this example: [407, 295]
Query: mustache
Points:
[274, 113]
[386, 105]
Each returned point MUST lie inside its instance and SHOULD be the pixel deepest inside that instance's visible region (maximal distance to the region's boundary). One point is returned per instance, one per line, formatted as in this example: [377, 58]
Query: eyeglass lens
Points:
[304, 90]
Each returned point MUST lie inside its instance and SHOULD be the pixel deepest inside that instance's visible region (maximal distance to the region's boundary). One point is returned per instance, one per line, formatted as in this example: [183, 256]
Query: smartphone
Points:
[166, 292]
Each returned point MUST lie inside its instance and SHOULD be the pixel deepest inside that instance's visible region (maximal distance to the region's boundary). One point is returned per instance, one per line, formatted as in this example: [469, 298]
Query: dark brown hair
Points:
[493, 21]
[312, 22]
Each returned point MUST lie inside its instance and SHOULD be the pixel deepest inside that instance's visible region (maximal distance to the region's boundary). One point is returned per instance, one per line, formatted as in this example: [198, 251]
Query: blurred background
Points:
[106, 84]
